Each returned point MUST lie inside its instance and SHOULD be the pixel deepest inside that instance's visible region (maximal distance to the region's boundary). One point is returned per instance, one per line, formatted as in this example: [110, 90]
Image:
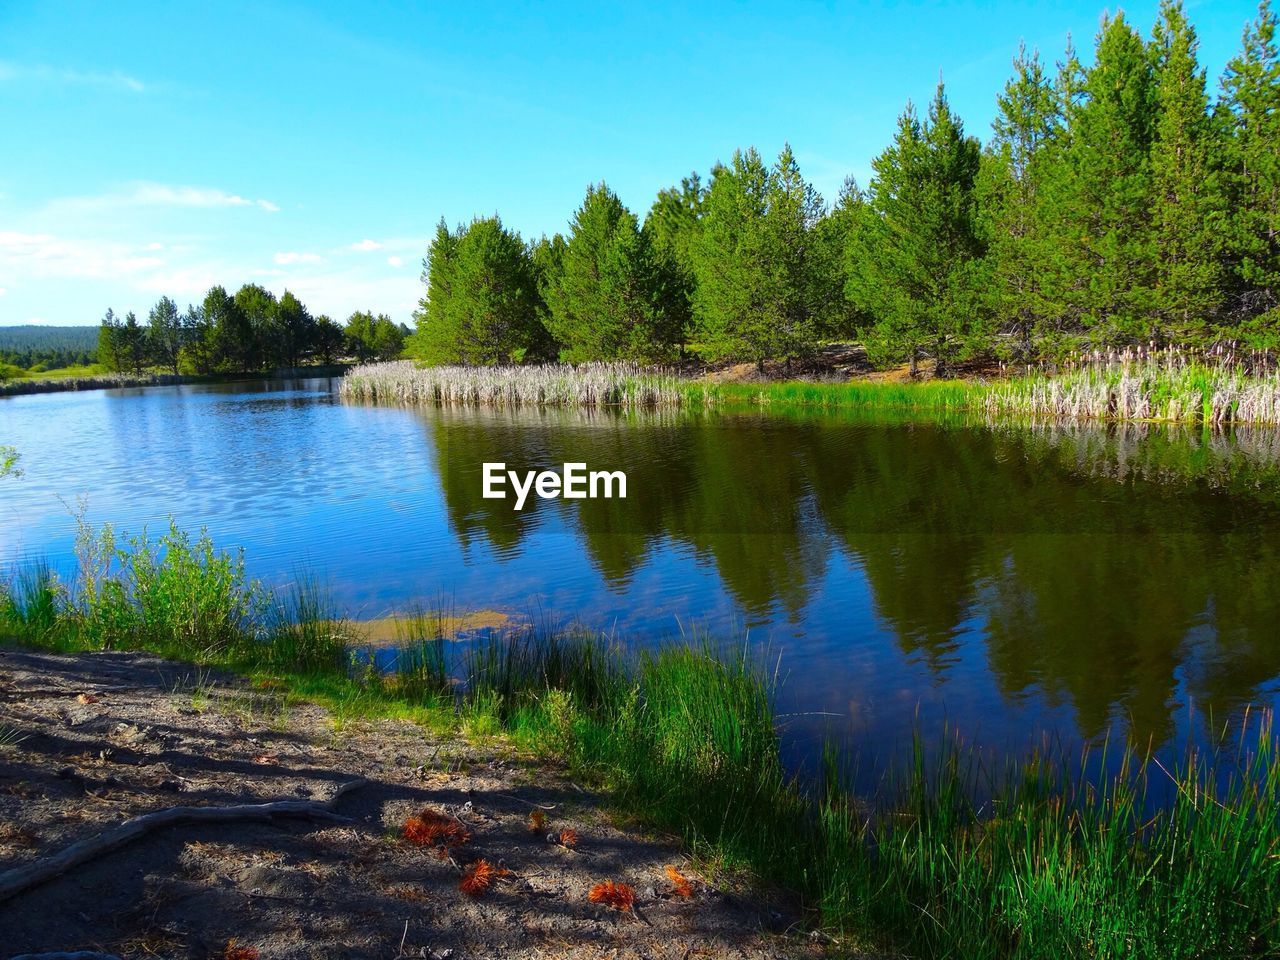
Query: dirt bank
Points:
[92, 740]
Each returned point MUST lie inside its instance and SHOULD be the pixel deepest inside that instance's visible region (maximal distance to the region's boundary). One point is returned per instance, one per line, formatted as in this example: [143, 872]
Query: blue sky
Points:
[159, 148]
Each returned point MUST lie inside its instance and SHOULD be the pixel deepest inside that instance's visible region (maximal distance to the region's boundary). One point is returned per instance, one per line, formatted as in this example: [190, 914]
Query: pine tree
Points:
[199, 340]
[755, 259]
[258, 306]
[614, 297]
[229, 334]
[838, 318]
[915, 261]
[164, 333]
[1107, 246]
[133, 344]
[482, 303]
[111, 343]
[293, 329]
[1187, 207]
[1015, 163]
[1250, 114]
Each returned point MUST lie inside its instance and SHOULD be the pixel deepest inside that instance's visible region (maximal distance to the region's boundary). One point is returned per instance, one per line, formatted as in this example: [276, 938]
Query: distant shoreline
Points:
[111, 381]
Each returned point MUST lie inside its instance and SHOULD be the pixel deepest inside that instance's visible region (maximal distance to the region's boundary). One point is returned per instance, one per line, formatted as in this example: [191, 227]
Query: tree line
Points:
[250, 331]
[36, 348]
[1113, 205]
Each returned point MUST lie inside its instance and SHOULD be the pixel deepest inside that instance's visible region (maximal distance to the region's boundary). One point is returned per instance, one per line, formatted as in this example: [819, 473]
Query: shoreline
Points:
[1124, 392]
[108, 737]
[684, 739]
[113, 381]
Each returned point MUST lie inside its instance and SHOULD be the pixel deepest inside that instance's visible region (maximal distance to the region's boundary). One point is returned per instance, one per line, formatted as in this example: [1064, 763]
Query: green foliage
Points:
[171, 595]
[1249, 116]
[1010, 202]
[328, 340]
[9, 462]
[229, 342]
[916, 256]
[482, 303]
[1188, 209]
[755, 257]
[165, 334]
[111, 343]
[292, 330]
[28, 345]
[1107, 242]
[612, 295]
[369, 337]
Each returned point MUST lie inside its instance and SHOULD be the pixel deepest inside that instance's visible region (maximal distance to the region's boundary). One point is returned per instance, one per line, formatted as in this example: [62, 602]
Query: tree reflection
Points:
[1112, 570]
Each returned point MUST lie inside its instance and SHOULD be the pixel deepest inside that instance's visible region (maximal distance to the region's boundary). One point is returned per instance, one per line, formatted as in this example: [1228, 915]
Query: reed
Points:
[1156, 387]
[553, 385]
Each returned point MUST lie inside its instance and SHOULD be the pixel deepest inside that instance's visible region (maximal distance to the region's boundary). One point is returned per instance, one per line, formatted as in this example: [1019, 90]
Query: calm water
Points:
[1014, 583]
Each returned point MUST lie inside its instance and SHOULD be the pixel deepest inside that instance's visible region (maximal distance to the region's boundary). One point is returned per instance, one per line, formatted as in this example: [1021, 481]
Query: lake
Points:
[1013, 583]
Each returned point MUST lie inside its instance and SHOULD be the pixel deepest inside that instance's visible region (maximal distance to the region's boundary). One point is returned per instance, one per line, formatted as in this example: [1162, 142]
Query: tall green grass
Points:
[1045, 857]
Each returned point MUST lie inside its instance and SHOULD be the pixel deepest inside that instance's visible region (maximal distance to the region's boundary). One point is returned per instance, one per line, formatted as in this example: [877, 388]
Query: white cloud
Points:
[46, 74]
[154, 246]
[3, 291]
[290, 256]
[145, 193]
[396, 261]
[45, 255]
[366, 245]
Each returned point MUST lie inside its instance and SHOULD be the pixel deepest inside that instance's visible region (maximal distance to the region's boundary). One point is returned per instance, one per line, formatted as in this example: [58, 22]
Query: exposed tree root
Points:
[19, 879]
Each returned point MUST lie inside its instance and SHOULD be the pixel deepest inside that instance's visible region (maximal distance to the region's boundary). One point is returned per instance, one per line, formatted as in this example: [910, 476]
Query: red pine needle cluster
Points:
[568, 839]
[620, 896]
[431, 828]
[477, 878]
[680, 884]
[233, 952]
[537, 821]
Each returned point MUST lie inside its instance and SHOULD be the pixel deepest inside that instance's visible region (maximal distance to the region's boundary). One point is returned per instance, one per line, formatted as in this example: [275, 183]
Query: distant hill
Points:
[35, 337]
[30, 344]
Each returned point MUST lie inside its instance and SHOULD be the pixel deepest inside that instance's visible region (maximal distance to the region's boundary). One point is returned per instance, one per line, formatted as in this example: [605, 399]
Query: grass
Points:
[1043, 857]
[551, 385]
[1126, 389]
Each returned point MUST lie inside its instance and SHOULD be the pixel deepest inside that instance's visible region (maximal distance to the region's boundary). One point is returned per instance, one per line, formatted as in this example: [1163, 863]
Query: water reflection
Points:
[1011, 581]
[1121, 572]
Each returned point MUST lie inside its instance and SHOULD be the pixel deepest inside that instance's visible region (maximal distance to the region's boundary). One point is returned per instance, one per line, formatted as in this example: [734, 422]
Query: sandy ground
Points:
[90, 740]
